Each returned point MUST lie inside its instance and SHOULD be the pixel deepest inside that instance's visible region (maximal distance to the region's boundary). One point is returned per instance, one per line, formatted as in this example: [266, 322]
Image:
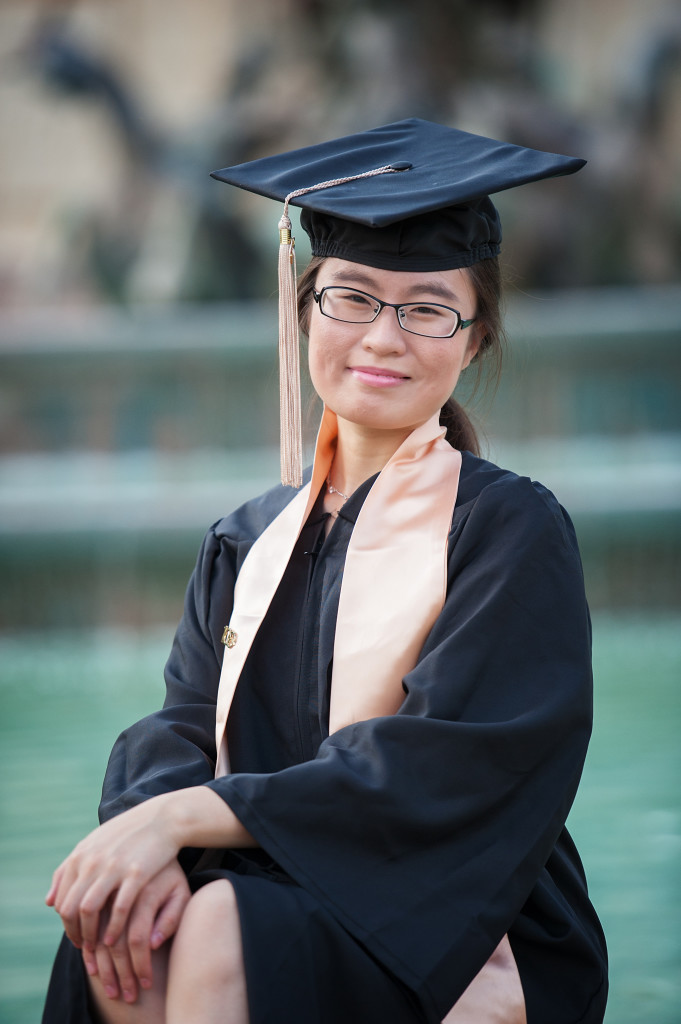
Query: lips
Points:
[377, 377]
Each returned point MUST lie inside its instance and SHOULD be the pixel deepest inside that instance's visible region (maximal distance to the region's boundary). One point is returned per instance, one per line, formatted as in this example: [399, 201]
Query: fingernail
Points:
[128, 996]
[157, 938]
[90, 968]
[145, 982]
[111, 991]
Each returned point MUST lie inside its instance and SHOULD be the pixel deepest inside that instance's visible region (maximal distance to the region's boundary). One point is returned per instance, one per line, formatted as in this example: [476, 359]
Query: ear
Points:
[476, 333]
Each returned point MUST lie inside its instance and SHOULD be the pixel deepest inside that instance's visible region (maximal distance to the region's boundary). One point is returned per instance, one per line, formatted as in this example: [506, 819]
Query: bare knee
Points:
[210, 933]
[207, 957]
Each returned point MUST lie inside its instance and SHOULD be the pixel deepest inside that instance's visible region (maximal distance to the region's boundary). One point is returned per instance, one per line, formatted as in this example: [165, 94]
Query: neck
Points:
[361, 453]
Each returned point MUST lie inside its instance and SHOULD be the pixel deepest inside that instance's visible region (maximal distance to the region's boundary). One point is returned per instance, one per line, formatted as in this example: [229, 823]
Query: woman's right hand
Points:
[126, 965]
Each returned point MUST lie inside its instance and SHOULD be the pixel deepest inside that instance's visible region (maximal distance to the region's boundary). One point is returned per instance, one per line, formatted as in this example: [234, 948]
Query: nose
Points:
[385, 336]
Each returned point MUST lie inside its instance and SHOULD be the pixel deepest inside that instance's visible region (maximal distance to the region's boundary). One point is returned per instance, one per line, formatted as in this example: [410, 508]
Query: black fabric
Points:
[316, 972]
[432, 212]
[67, 1000]
[448, 239]
[428, 835]
[280, 711]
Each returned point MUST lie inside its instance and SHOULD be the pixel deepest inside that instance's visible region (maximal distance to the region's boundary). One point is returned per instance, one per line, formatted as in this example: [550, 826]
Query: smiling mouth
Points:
[376, 376]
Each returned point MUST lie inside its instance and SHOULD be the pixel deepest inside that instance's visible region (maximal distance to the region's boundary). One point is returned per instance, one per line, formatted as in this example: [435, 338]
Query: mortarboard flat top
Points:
[447, 167]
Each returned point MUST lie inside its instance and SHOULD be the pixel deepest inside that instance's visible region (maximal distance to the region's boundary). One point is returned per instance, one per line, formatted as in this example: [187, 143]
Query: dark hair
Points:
[487, 284]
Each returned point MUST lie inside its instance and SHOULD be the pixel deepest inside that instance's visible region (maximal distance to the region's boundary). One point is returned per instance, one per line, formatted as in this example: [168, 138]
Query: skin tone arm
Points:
[108, 874]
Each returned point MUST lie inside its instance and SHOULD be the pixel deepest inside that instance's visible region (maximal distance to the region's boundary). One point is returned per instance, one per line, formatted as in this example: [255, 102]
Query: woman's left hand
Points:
[113, 863]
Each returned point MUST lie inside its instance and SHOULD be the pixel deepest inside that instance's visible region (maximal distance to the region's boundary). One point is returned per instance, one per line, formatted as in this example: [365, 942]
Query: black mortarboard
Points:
[410, 196]
[432, 212]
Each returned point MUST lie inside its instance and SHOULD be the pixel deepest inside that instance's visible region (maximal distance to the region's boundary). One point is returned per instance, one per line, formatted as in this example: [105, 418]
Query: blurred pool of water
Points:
[65, 697]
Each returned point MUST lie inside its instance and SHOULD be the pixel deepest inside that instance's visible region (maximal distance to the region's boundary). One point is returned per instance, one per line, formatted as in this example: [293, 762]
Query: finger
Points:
[139, 936]
[107, 971]
[170, 915]
[54, 885]
[127, 981]
[68, 909]
[101, 891]
[104, 965]
[123, 903]
[90, 961]
[156, 913]
[74, 882]
[90, 918]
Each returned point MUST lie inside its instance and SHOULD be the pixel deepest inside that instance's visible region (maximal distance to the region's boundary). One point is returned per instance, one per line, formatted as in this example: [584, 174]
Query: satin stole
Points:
[400, 537]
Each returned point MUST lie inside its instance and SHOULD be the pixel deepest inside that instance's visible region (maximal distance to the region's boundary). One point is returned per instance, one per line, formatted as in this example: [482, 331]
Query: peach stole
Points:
[394, 580]
[393, 589]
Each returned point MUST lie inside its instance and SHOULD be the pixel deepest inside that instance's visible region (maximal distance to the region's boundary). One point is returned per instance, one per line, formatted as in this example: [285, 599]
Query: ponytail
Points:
[461, 433]
[486, 279]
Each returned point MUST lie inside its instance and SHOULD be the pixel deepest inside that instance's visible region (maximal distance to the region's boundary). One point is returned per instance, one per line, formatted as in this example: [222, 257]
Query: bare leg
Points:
[206, 980]
[150, 1005]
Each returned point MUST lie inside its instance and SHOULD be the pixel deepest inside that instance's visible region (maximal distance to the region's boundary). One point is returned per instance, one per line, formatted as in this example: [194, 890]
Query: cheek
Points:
[328, 342]
[322, 357]
[315, 351]
[444, 373]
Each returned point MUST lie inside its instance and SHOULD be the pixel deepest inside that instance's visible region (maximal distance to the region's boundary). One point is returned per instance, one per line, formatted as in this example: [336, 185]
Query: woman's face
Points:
[378, 375]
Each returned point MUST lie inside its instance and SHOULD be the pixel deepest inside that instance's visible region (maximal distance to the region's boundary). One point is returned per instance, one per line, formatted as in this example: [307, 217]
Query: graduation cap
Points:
[411, 196]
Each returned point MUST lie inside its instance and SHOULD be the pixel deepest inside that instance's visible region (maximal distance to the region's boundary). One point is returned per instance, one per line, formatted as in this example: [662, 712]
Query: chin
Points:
[380, 421]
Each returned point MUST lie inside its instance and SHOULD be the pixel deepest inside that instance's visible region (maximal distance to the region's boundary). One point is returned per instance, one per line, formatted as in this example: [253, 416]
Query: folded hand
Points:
[153, 920]
[110, 868]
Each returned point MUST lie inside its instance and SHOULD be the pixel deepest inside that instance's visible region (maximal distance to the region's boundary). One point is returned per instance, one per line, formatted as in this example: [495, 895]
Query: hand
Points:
[112, 866]
[154, 919]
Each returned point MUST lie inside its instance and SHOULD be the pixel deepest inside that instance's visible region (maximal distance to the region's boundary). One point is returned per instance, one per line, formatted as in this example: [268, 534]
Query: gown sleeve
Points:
[175, 747]
[427, 832]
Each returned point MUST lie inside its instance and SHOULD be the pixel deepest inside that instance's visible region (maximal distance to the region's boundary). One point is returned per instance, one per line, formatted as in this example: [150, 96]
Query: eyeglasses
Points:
[429, 319]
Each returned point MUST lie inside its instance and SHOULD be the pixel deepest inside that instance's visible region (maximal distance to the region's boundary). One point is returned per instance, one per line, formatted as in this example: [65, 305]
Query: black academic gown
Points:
[407, 844]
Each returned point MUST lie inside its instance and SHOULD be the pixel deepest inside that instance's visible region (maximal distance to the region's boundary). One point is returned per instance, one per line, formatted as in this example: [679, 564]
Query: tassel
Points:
[289, 348]
[291, 441]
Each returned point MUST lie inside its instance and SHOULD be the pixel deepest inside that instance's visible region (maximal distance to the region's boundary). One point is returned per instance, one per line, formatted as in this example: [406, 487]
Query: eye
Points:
[356, 299]
[425, 312]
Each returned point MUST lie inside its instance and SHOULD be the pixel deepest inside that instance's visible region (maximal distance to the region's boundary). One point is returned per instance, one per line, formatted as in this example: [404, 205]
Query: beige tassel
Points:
[289, 360]
[291, 441]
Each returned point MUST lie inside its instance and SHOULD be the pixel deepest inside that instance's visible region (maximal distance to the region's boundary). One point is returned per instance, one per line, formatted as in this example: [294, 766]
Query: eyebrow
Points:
[356, 277]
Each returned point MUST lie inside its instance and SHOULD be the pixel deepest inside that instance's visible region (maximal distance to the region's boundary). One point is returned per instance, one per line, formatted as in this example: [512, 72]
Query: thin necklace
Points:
[334, 490]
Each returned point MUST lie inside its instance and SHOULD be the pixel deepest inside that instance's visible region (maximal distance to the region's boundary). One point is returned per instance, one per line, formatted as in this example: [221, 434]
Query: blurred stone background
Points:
[138, 384]
[136, 328]
[113, 112]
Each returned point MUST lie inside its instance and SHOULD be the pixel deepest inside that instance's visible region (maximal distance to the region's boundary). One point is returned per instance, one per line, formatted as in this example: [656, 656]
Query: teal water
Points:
[63, 700]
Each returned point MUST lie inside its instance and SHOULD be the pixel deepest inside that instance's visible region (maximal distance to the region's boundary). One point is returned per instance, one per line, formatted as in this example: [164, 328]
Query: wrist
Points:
[181, 816]
[197, 816]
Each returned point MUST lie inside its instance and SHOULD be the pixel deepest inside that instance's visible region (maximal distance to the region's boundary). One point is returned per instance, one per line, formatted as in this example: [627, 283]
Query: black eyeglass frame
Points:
[397, 306]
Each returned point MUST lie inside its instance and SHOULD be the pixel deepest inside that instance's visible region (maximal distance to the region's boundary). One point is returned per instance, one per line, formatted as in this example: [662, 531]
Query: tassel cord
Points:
[289, 361]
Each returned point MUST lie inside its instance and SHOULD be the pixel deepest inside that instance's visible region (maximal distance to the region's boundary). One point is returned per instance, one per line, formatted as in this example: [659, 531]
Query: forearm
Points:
[198, 817]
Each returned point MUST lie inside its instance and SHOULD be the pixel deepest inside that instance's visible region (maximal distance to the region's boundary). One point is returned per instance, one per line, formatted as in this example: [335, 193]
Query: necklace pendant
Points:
[334, 490]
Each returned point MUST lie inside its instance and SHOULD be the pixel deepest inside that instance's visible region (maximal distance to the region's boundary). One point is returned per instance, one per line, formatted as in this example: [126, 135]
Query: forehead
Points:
[397, 285]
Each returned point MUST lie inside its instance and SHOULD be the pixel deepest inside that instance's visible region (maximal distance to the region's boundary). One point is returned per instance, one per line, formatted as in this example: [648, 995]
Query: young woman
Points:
[370, 825]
